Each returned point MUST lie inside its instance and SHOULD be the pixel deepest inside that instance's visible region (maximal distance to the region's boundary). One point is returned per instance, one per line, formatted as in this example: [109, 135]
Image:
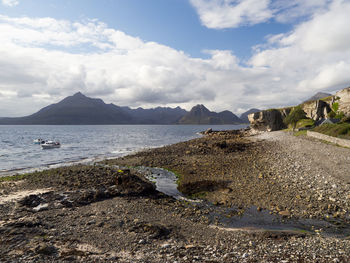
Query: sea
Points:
[86, 143]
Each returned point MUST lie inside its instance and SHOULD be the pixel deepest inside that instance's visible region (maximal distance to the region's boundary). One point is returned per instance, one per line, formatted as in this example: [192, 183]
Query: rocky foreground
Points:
[108, 214]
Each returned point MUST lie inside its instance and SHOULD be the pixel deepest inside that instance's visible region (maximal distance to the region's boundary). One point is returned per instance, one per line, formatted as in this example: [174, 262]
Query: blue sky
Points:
[173, 23]
[226, 54]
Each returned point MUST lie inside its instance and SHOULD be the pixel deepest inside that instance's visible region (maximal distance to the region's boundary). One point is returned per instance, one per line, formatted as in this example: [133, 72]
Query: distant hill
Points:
[76, 109]
[318, 95]
[244, 115]
[157, 115]
[201, 115]
[82, 110]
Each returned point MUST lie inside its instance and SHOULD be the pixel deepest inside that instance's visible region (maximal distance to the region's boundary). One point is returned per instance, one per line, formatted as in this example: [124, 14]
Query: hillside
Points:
[159, 115]
[82, 110]
[318, 96]
[76, 109]
[199, 114]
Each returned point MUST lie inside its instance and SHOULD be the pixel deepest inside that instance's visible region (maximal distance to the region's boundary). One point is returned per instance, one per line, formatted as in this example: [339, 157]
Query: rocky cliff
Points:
[343, 97]
[268, 120]
[272, 120]
[317, 109]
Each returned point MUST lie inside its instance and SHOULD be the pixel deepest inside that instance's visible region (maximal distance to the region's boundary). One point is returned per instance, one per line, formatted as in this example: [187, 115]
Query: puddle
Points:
[164, 180]
[253, 220]
[248, 219]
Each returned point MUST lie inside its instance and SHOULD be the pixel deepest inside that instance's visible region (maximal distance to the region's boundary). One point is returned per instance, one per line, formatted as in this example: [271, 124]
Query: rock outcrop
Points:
[244, 115]
[344, 100]
[317, 109]
[268, 120]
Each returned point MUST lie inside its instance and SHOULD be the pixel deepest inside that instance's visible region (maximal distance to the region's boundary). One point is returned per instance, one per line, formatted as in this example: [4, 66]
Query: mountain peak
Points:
[79, 94]
[318, 95]
[199, 114]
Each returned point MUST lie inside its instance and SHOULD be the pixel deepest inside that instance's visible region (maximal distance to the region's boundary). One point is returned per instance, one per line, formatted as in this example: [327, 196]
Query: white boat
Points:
[50, 145]
[39, 141]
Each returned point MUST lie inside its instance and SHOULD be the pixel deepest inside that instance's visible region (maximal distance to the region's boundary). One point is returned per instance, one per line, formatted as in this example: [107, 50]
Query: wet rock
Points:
[154, 231]
[133, 185]
[46, 249]
[208, 131]
[31, 201]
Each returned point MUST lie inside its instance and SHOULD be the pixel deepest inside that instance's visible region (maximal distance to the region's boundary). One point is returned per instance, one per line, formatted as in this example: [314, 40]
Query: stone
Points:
[46, 249]
[165, 245]
[208, 131]
[284, 213]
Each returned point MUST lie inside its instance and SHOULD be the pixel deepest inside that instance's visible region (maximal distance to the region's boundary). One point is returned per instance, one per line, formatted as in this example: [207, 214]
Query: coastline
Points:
[225, 168]
[81, 143]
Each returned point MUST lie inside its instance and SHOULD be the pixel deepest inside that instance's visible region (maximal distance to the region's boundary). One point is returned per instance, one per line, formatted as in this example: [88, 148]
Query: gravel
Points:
[96, 214]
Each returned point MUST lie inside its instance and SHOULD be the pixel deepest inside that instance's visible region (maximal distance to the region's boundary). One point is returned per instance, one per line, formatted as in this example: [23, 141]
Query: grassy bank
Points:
[341, 130]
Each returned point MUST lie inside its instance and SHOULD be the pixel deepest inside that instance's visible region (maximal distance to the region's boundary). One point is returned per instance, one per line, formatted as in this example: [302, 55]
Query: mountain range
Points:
[82, 110]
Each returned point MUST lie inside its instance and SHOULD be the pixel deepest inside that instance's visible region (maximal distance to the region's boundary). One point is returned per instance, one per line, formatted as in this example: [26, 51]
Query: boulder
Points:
[268, 120]
[132, 185]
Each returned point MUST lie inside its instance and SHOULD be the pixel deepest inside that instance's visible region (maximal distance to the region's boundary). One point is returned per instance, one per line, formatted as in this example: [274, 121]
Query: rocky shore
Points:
[105, 213]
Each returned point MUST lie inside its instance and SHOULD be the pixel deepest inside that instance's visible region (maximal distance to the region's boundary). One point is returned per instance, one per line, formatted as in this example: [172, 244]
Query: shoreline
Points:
[88, 215]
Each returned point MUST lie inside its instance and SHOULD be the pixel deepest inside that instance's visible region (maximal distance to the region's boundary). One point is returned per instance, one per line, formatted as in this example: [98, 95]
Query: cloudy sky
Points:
[225, 54]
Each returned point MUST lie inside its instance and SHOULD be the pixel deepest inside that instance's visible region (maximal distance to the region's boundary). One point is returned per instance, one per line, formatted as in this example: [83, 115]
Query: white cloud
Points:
[287, 11]
[42, 62]
[10, 2]
[232, 13]
[316, 54]
[219, 14]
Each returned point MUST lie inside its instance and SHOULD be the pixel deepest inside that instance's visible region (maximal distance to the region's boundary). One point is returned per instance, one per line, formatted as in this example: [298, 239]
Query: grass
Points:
[300, 133]
[305, 123]
[335, 106]
[327, 98]
[16, 177]
[199, 195]
[340, 130]
[177, 174]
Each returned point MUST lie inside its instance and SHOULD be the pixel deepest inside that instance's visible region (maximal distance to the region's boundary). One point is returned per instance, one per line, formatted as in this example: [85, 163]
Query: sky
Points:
[226, 54]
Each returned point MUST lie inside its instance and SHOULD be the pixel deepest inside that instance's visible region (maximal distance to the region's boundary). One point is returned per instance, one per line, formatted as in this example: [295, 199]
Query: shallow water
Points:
[86, 142]
[233, 218]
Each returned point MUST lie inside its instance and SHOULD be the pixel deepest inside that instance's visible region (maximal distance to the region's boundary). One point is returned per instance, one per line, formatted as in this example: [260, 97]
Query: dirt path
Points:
[311, 155]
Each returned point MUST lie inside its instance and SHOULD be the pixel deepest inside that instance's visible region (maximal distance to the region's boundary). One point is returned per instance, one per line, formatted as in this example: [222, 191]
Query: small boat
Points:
[39, 141]
[50, 145]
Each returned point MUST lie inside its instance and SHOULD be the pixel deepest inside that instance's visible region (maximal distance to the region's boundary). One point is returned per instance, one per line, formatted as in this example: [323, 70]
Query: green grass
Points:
[16, 177]
[341, 130]
[177, 174]
[335, 106]
[305, 123]
[300, 133]
[327, 98]
[199, 195]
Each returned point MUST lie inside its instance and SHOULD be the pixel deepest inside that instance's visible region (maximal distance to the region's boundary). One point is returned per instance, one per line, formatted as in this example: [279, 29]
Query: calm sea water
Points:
[85, 142]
